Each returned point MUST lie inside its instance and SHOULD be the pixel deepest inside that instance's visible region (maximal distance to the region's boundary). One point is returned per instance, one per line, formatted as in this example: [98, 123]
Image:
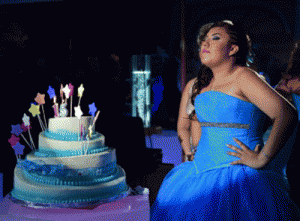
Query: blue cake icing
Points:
[43, 153]
[61, 174]
[66, 135]
[119, 190]
[82, 177]
[58, 182]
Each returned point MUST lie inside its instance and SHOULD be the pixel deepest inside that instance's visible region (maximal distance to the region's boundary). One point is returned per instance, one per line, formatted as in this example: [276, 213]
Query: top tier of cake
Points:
[70, 124]
[69, 128]
[68, 136]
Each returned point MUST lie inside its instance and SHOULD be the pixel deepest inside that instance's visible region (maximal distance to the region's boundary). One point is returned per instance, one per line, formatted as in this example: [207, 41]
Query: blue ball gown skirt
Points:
[209, 188]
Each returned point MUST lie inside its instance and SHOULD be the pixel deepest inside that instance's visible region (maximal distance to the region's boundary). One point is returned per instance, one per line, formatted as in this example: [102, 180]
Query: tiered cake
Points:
[69, 169]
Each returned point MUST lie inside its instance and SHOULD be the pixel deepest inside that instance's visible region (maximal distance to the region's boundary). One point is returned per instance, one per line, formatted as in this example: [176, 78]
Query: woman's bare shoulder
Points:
[249, 73]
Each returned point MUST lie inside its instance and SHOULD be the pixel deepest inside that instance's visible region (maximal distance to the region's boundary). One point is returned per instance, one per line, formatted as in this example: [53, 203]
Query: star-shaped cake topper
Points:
[16, 129]
[34, 109]
[13, 140]
[18, 148]
[25, 128]
[51, 92]
[40, 99]
[80, 90]
[26, 120]
[71, 87]
[66, 90]
[93, 109]
[78, 112]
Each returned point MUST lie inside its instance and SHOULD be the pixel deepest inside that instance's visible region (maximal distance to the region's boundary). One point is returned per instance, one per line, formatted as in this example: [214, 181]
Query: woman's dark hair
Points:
[293, 68]
[237, 37]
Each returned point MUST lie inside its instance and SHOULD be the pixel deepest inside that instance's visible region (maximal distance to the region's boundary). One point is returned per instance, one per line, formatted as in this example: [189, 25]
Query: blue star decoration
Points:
[51, 92]
[18, 148]
[93, 109]
[16, 129]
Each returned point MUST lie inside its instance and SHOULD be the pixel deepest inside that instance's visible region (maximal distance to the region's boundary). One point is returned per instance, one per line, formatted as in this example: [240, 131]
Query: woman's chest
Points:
[227, 86]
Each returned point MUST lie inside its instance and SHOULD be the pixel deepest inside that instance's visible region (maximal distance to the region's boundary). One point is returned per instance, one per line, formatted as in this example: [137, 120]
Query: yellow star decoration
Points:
[80, 90]
[34, 110]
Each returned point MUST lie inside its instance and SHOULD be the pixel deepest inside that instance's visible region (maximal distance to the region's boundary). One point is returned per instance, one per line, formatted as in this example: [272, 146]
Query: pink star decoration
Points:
[40, 98]
[13, 140]
[71, 87]
[25, 128]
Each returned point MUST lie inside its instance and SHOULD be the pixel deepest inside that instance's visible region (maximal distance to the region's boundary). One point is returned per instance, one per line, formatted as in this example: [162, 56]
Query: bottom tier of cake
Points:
[35, 191]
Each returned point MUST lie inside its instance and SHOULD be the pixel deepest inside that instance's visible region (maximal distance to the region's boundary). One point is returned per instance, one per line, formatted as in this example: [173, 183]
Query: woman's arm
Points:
[183, 123]
[195, 131]
[281, 112]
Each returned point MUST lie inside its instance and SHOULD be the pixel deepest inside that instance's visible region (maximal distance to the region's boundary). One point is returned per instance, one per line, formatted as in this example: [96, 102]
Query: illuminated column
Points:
[141, 88]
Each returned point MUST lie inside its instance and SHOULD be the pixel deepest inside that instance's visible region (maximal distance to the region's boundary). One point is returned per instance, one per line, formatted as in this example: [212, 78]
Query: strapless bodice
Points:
[224, 117]
[208, 188]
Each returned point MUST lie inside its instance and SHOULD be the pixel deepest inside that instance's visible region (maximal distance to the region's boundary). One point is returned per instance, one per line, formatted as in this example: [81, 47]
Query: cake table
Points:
[129, 208]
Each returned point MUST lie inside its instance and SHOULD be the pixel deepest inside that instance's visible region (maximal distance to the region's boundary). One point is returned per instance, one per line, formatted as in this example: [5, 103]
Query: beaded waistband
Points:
[225, 125]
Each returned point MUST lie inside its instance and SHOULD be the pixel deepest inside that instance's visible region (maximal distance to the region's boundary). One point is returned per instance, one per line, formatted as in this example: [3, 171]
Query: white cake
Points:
[65, 171]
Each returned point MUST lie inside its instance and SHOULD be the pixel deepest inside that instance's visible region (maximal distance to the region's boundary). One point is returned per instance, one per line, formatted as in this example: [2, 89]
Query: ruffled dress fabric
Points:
[209, 188]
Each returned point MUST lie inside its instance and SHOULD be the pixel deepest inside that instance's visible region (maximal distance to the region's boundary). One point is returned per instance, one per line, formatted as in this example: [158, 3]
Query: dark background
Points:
[49, 43]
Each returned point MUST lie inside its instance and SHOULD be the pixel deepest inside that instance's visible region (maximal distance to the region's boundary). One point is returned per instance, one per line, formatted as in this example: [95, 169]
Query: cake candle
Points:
[61, 93]
[66, 90]
[55, 107]
[87, 143]
[95, 119]
[80, 92]
[71, 87]
[78, 114]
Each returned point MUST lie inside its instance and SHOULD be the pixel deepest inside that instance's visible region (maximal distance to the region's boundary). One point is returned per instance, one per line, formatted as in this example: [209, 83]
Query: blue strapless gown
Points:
[208, 188]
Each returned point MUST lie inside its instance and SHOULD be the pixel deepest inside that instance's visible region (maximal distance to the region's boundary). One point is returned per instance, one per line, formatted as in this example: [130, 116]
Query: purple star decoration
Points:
[16, 129]
[93, 109]
[18, 148]
[13, 140]
[25, 128]
[51, 92]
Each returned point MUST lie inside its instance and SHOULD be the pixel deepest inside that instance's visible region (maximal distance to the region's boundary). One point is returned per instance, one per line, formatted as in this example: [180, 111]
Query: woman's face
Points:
[215, 48]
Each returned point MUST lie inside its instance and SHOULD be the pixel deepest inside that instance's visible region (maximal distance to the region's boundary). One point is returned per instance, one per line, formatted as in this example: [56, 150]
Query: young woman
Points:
[232, 176]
